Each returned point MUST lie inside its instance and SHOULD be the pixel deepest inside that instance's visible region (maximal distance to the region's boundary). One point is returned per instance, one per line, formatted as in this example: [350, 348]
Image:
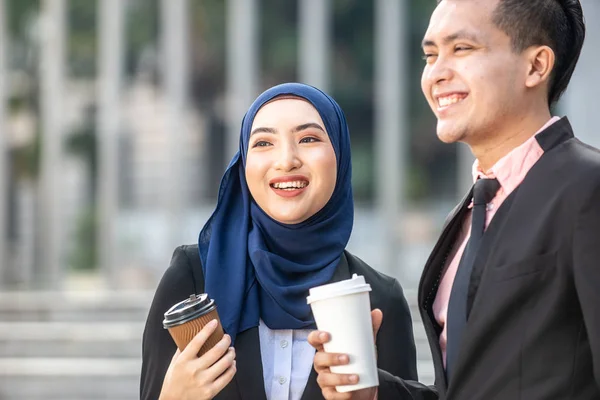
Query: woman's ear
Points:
[540, 61]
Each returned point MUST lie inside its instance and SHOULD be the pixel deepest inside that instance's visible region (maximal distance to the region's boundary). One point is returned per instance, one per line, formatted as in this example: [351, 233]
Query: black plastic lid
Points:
[191, 308]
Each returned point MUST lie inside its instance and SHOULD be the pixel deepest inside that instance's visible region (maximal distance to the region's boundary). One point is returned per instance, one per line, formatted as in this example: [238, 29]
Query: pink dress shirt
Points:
[510, 172]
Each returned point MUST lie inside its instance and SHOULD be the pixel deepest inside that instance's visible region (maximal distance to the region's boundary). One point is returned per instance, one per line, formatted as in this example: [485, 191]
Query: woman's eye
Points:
[309, 139]
[261, 143]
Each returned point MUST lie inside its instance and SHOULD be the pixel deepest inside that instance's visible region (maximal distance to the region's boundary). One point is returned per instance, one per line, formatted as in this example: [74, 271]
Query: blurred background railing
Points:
[118, 118]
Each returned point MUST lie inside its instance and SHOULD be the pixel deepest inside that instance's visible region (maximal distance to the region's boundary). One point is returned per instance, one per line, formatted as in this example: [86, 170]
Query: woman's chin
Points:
[289, 220]
[291, 217]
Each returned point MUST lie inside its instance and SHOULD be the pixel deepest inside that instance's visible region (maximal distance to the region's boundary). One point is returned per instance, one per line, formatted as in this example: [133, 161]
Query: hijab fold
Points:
[258, 268]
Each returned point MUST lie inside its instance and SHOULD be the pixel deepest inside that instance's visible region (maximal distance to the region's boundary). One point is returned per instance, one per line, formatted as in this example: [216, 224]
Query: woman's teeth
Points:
[290, 185]
[449, 100]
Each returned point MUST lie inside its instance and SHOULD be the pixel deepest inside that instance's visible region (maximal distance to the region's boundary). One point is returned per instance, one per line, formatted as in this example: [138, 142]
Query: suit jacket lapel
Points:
[435, 263]
[249, 377]
[486, 248]
[430, 280]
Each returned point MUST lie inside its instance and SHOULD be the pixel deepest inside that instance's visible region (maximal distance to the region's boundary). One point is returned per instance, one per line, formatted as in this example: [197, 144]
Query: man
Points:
[513, 313]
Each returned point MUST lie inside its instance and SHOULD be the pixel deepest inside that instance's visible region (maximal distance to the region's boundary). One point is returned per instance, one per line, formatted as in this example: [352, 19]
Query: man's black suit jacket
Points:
[533, 331]
[395, 343]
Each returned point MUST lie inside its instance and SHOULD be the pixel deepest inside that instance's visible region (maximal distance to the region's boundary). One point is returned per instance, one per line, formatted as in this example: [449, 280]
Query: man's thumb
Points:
[376, 320]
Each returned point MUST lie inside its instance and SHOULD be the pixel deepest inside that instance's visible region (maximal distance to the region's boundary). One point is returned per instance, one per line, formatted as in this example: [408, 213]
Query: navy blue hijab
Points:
[256, 267]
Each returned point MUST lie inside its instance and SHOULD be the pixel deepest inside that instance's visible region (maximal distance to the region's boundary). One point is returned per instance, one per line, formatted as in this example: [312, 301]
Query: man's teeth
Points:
[290, 185]
[449, 100]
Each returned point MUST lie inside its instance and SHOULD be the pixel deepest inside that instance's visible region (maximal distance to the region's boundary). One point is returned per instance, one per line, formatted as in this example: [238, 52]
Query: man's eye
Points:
[428, 56]
[463, 48]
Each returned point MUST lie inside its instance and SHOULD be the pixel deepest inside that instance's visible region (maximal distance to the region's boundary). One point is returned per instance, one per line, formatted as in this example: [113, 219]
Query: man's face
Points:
[473, 80]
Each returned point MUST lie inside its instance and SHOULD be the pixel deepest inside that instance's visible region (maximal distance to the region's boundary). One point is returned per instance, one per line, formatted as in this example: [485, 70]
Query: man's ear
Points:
[540, 61]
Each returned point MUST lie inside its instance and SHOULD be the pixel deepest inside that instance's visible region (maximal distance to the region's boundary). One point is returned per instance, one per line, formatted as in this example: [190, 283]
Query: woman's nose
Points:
[287, 159]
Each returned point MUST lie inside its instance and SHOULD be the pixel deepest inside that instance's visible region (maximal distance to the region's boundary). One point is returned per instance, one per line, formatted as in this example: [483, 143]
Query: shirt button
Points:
[490, 206]
[284, 344]
[282, 380]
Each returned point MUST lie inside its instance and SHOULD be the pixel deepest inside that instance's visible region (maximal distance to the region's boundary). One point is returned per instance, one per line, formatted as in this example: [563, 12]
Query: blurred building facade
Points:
[119, 117]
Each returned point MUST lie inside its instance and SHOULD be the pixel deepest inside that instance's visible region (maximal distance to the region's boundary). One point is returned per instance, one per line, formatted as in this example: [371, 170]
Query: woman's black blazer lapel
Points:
[248, 383]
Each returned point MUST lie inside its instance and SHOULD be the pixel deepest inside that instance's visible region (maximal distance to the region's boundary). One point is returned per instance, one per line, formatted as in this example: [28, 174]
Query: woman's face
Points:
[291, 166]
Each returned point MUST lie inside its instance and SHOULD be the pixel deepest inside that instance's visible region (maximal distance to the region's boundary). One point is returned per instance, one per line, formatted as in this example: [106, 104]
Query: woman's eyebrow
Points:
[265, 130]
[306, 126]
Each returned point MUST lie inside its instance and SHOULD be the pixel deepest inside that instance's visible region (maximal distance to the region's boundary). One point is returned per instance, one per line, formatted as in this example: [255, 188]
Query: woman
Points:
[282, 222]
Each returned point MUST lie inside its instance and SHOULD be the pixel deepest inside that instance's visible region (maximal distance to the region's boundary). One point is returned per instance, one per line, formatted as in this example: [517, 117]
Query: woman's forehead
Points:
[284, 97]
[286, 107]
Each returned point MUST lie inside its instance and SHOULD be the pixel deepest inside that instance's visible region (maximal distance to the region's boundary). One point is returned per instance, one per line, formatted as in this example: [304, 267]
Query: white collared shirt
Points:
[287, 361]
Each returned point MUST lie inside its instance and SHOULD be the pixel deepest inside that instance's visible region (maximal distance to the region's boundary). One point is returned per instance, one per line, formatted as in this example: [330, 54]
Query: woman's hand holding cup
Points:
[323, 362]
[190, 377]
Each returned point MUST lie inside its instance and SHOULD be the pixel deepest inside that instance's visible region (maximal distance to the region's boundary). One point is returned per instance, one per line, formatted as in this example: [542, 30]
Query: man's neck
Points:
[489, 152]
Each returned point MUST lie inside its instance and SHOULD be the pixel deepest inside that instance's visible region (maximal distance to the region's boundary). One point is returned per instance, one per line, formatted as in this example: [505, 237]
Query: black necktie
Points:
[484, 191]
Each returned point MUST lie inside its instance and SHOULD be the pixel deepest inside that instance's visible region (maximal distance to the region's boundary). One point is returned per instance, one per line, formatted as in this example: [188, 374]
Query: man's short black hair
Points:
[558, 24]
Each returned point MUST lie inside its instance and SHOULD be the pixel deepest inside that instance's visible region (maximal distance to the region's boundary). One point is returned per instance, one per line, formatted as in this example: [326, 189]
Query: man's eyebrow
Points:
[265, 130]
[302, 127]
[462, 34]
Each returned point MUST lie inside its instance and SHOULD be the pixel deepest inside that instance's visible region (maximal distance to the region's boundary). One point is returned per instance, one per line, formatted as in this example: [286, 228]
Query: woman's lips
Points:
[289, 186]
[288, 192]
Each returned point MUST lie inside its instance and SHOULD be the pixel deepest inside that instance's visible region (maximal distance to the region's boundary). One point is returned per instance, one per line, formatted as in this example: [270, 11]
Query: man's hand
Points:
[323, 361]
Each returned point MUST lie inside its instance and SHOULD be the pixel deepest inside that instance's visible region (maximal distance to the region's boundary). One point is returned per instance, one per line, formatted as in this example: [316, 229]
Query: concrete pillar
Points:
[52, 68]
[175, 41]
[4, 166]
[314, 45]
[110, 71]
[242, 77]
[391, 130]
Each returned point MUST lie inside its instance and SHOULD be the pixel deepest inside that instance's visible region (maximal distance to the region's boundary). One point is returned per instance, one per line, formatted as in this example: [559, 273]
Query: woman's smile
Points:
[289, 186]
[291, 166]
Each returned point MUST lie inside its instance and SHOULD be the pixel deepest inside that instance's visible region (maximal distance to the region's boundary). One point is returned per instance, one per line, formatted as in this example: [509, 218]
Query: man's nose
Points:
[439, 71]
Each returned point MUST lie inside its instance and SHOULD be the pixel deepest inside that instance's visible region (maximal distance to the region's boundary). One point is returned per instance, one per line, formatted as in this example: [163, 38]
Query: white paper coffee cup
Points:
[343, 309]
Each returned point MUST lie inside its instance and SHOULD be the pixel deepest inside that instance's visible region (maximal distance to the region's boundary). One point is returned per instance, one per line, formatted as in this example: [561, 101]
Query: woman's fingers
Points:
[225, 378]
[214, 354]
[217, 369]
[193, 348]
[175, 356]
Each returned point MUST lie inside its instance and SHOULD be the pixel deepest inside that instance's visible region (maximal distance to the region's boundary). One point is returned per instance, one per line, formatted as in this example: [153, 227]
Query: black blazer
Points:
[395, 343]
[533, 331]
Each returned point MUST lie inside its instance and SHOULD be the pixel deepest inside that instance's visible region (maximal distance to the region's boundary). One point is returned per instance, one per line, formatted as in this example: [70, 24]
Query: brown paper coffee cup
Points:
[185, 319]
